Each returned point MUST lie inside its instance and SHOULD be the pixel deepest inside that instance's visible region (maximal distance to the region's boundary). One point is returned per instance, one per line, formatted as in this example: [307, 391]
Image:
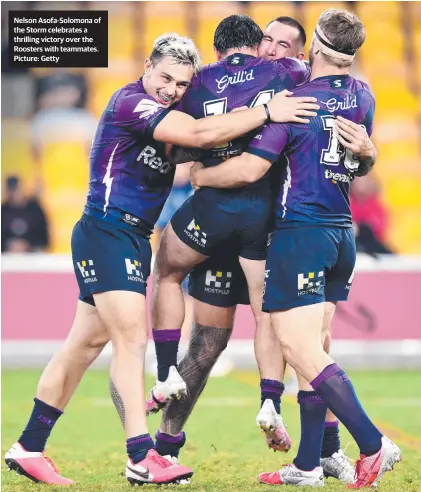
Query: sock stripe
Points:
[332, 424]
[277, 391]
[311, 399]
[168, 438]
[167, 335]
[327, 373]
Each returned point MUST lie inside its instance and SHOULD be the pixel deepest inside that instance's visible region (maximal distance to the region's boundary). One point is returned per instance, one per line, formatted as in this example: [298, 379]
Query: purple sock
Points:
[331, 441]
[167, 444]
[138, 447]
[166, 347]
[271, 389]
[336, 389]
[38, 429]
[313, 414]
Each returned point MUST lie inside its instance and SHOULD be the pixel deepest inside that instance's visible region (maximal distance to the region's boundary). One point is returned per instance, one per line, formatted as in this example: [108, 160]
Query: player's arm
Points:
[233, 173]
[181, 155]
[355, 138]
[246, 168]
[181, 129]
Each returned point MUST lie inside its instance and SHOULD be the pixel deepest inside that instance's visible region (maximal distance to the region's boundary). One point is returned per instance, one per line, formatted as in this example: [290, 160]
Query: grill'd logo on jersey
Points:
[195, 234]
[133, 270]
[332, 105]
[87, 273]
[149, 158]
[218, 282]
[309, 285]
[238, 78]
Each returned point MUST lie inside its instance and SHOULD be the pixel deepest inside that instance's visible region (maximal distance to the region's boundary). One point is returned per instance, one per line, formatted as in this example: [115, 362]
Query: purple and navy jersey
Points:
[130, 176]
[238, 80]
[316, 169]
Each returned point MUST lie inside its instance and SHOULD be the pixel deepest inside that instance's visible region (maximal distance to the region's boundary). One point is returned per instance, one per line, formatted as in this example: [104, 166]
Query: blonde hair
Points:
[180, 48]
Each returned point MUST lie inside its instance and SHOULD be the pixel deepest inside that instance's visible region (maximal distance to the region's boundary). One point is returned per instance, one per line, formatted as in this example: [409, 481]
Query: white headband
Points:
[327, 47]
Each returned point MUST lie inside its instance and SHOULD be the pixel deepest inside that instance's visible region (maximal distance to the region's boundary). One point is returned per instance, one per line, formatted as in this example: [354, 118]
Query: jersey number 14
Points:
[219, 106]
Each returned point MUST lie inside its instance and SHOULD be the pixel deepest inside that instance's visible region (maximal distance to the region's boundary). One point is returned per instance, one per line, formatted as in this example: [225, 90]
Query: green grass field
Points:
[224, 447]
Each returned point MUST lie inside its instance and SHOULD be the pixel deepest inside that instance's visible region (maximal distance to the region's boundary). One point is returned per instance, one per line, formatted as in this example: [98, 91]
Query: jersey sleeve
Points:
[269, 142]
[369, 116]
[140, 113]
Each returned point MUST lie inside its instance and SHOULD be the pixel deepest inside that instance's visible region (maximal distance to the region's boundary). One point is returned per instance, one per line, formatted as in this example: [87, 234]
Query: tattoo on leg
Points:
[118, 402]
[206, 345]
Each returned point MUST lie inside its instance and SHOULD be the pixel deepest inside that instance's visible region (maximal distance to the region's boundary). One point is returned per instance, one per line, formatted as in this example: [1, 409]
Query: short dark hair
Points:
[289, 21]
[237, 31]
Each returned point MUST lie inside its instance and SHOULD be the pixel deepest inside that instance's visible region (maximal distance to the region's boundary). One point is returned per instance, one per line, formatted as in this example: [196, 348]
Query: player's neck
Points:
[326, 70]
[242, 51]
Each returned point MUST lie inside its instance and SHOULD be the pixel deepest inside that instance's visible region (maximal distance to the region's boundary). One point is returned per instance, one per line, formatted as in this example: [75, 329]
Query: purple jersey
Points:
[239, 80]
[130, 177]
[316, 169]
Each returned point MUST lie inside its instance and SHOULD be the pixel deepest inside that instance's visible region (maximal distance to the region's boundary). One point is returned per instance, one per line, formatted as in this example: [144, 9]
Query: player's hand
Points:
[354, 137]
[286, 109]
[197, 166]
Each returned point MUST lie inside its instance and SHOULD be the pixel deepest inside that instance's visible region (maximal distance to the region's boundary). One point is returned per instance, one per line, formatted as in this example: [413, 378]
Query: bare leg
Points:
[266, 345]
[329, 312]
[56, 386]
[124, 315]
[299, 330]
[207, 342]
[174, 260]
[85, 342]
[269, 359]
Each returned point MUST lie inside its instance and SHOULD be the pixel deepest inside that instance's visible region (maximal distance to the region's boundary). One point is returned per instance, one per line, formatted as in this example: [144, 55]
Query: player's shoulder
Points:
[288, 64]
[296, 70]
[133, 90]
[363, 88]
[132, 102]
[134, 96]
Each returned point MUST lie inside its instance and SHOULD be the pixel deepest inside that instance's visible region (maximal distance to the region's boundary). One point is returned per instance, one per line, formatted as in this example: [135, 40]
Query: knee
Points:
[132, 340]
[207, 356]
[293, 349]
[94, 347]
[206, 347]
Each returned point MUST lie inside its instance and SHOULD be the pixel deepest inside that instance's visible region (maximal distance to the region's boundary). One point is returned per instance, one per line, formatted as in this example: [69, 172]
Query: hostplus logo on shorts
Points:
[133, 270]
[195, 234]
[309, 284]
[218, 282]
[87, 271]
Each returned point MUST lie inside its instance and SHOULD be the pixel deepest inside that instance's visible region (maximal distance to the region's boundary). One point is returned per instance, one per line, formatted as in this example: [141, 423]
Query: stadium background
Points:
[48, 120]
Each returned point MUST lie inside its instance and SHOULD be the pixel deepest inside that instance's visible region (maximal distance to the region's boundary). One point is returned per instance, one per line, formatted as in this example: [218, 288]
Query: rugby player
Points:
[239, 79]
[311, 257]
[130, 179]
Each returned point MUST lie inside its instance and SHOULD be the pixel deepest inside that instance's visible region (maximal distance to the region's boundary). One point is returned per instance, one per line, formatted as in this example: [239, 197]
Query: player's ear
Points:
[217, 54]
[148, 64]
[300, 55]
